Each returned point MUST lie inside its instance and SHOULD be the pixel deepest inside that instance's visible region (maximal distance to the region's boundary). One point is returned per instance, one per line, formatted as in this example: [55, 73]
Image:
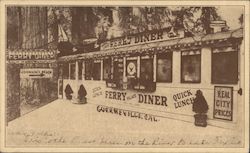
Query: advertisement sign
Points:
[140, 38]
[223, 103]
[36, 73]
[131, 68]
[31, 55]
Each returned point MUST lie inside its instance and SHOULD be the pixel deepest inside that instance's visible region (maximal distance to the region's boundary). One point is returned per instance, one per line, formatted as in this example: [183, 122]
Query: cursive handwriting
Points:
[50, 138]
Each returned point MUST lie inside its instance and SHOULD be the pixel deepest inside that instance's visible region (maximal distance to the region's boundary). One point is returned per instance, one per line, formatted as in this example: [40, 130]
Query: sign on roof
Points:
[31, 55]
[141, 38]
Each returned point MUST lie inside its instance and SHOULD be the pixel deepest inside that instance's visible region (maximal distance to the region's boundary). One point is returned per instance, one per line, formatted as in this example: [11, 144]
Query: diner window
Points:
[66, 71]
[131, 72]
[88, 69]
[106, 69]
[190, 67]
[72, 71]
[164, 67]
[80, 70]
[225, 66]
[146, 73]
[131, 68]
[118, 72]
[97, 71]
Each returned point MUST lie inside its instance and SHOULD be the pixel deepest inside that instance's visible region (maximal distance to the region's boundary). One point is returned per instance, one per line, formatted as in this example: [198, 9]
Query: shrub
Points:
[82, 92]
[68, 91]
[200, 105]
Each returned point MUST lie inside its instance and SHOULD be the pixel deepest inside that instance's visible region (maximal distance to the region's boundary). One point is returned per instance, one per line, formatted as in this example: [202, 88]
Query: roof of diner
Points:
[160, 45]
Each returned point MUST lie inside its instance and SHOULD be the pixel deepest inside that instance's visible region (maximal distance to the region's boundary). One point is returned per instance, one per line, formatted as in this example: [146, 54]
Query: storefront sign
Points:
[131, 97]
[142, 98]
[153, 99]
[115, 95]
[31, 55]
[223, 103]
[126, 113]
[150, 36]
[97, 92]
[120, 66]
[36, 73]
[131, 69]
[182, 99]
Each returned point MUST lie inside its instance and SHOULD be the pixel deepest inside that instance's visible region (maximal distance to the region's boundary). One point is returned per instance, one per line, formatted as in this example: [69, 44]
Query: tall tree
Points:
[241, 20]
[161, 17]
[208, 14]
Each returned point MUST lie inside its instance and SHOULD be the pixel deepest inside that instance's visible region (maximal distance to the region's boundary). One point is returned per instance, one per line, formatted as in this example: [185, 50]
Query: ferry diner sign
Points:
[141, 38]
[223, 103]
[31, 55]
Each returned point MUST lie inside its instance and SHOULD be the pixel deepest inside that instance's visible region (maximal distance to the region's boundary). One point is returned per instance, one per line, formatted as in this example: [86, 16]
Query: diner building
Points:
[162, 70]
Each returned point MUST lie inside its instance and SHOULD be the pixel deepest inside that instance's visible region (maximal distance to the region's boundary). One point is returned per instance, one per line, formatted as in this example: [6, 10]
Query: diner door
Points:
[118, 72]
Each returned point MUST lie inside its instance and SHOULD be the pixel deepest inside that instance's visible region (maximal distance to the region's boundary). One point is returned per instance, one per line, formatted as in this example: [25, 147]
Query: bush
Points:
[82, 93]
[200, 105]
[68, 91]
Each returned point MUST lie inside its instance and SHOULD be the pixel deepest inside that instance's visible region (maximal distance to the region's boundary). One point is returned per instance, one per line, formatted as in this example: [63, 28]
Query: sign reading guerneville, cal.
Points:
[36, 73]
[223, 103]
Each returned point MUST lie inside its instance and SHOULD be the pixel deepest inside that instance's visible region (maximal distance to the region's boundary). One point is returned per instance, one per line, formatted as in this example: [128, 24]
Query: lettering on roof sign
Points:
[152, 36]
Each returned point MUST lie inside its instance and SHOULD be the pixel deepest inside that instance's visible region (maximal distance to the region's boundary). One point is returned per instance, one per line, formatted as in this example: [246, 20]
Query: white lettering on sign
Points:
[36, 73]
[223, 103]
[150, 36]
[31, 55]
[131, 69]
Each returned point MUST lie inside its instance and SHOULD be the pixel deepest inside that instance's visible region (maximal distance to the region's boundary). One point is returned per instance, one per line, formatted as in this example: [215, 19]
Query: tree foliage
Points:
[81, 23]
[241, 19]
[193, 19]
[130, 20]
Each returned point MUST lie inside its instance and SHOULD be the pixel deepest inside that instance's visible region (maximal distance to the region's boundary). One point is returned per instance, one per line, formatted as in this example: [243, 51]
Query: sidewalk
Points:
[63, 123]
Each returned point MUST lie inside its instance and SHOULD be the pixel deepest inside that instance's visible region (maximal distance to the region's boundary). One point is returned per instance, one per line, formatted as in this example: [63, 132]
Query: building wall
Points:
[169, 90]
[37, 92]
[12, 92]
[27, 31]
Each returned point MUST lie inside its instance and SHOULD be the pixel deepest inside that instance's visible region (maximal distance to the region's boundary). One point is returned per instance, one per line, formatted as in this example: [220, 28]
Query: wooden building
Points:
[162, 71]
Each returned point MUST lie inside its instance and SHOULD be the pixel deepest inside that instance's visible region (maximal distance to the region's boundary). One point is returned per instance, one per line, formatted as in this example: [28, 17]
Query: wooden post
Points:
[76, 71]
[154, 68]
[138, 66]
[124, 67]
[101, 69]
[83, 70]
